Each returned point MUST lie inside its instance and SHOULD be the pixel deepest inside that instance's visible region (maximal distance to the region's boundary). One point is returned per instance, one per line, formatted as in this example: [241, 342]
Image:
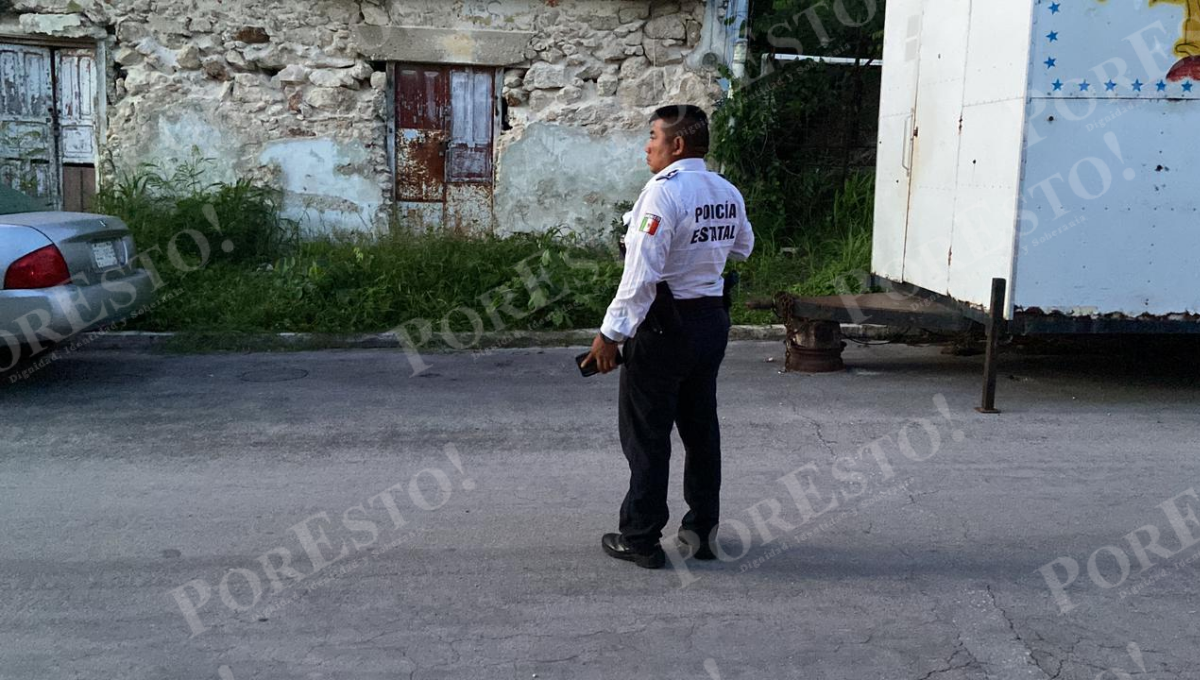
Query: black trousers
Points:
[670, 378]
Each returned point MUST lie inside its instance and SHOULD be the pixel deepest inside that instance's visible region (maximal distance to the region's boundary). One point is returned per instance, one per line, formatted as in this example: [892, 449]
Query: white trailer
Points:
[1049, 143]
[1036, 174]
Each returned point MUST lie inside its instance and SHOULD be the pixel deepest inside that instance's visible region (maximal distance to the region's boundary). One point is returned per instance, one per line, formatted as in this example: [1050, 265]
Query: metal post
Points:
[995, 327]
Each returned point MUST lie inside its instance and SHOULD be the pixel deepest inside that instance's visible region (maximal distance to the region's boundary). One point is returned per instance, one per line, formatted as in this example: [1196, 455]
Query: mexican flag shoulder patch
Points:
[650, 224]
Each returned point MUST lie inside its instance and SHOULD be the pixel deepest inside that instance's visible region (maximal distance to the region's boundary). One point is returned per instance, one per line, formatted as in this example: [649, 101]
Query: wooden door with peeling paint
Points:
[75, 81]
[444, 130]
[28, 154]
[469, 162]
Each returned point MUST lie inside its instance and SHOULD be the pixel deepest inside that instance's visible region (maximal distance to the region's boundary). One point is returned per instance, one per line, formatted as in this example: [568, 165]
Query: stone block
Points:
[379, 80]
[252, 35]
[648, 89]
[293, 74]
[547, 19]
[543, 76]
[216, 68]
[634, 67]
[602, 22]
[606, 85]
[58, 25]
[515, 97]
[325, 77]
[165, 26]
[374, 15]
[127, 56]
[591, 71]
[142, 80]
[571, 94]
[628, 14]
[660, 8]
[267, 56]
[513, 79]
[670, 27]
[131, 32]
[443, 45]
[611, 51]
[661, 54]
[236, 59]
[540, 100]
[625, 29]
[328, 98]
[188, 57]
[317, 58]
[362, 71]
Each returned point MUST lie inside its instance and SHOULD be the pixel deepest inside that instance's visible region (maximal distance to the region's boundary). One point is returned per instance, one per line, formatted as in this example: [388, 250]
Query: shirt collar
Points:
[683, 165]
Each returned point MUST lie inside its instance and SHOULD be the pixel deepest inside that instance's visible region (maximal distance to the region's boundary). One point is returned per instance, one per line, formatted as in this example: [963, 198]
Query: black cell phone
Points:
[590, 370]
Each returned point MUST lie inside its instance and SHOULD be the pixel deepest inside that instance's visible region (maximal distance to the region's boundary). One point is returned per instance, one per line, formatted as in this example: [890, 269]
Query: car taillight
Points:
[43, 268]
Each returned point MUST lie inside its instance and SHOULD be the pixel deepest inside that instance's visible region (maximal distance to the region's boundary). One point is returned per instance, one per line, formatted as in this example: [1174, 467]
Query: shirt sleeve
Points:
[647, 242]
[743, 244]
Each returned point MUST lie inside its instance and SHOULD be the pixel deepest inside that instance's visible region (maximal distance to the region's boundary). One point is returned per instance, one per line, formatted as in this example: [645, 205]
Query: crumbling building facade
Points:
[476, 116]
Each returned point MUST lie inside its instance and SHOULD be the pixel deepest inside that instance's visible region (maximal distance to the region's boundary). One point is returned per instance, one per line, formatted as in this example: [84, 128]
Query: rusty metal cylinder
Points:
[815, 347]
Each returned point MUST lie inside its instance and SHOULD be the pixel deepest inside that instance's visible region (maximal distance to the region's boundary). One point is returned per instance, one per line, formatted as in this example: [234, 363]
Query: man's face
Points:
[662, 149]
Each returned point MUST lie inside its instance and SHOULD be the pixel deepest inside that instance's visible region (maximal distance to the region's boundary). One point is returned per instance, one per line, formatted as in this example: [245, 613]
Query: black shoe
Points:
[618, 548]
[701, 550]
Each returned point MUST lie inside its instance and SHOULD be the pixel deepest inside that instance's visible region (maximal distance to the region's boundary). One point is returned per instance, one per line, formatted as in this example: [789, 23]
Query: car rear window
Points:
[13, 201]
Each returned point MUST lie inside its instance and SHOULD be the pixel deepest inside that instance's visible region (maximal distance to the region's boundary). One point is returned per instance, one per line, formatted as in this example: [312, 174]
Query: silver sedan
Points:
[62, 273]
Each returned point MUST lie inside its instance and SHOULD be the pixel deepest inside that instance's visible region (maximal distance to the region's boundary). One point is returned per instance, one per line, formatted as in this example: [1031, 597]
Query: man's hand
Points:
[604, 354]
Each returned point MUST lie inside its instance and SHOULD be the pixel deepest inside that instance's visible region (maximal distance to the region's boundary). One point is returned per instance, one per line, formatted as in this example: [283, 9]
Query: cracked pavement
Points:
[124, 476]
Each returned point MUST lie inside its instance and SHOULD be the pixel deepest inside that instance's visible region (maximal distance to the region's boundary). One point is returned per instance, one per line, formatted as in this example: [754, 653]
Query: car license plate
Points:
[105, 254]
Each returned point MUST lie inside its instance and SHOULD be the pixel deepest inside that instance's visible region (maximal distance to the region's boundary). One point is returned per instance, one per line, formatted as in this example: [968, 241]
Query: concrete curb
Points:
[208, 342]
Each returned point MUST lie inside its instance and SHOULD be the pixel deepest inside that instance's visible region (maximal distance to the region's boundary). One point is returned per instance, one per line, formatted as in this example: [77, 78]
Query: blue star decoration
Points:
[1137, 85]
[1054, 8]
[1053, 36]
[1083, 87]
[1161, 86]
[1187, 87]
[1057, 85]
[1110, 86]
[1051, 62]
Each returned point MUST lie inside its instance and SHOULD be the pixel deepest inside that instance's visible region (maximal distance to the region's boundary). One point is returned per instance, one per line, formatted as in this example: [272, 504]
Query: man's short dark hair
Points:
[686, 121]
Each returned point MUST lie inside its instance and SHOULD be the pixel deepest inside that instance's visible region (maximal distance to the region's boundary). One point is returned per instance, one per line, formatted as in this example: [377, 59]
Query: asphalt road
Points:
[329, 515]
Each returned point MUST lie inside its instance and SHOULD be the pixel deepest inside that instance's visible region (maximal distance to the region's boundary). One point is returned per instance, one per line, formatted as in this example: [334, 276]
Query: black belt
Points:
[697, 304]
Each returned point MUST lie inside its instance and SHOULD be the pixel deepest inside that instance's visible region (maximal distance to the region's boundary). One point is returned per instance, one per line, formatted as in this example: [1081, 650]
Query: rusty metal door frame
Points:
[466, 201]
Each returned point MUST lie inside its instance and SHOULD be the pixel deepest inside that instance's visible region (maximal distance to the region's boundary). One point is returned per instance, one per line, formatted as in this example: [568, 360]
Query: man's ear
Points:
[678, 147]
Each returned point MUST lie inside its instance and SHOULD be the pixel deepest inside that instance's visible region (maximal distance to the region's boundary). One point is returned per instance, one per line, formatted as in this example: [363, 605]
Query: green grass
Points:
[357, 285]
[838, 250]
[272, 281]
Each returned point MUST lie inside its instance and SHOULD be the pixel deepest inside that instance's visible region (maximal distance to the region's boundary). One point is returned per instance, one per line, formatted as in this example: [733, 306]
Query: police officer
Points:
[670, 313]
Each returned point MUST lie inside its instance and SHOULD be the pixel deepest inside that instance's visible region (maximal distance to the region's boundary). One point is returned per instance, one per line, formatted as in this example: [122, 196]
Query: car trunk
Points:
[91, 244]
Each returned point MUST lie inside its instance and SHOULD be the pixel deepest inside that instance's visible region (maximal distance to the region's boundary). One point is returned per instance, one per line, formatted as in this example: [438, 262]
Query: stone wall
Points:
[279, 92]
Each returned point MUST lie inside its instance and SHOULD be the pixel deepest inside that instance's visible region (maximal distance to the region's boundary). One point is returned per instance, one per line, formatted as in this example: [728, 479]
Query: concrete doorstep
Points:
[199, 342]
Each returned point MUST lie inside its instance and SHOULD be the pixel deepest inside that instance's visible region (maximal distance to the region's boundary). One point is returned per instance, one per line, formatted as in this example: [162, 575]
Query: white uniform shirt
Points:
[686, 223]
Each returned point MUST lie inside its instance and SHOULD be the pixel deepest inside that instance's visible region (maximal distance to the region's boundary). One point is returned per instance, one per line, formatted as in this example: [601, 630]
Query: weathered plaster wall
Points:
[561, 176]
[279, 91]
